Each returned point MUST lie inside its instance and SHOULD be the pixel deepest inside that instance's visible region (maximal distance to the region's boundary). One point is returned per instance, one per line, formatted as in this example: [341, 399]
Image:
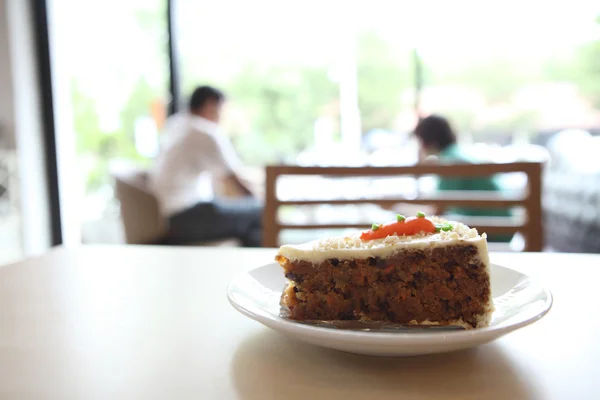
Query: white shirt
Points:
[192, 155]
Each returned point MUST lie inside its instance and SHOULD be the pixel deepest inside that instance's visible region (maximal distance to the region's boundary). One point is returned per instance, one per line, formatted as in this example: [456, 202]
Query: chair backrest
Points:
[141, 217]
[530, 226]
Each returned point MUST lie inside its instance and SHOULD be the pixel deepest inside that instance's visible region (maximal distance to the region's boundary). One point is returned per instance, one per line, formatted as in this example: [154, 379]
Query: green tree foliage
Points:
[92, 142]
[581, 66]
[589, 63]
[282, 105]
[497, 80]
[101, 146]
[383, 74]
[86, 121]
[283, 102]
[138, 105]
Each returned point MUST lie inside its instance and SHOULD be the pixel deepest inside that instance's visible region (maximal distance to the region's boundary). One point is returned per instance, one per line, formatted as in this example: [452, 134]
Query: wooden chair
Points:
[530, 226]
[142, 221]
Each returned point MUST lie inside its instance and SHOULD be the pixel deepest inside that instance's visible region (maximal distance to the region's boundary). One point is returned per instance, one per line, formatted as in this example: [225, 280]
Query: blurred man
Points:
[193, 157]
[437, 138]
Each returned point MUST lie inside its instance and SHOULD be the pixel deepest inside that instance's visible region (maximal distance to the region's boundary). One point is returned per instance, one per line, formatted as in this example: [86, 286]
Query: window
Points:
[111, 74]
[280, 70]
[508, 75]
[328, 73]
[314, 83]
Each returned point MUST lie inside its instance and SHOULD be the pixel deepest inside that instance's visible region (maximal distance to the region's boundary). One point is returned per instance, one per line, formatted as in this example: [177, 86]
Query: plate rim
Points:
[454, 336]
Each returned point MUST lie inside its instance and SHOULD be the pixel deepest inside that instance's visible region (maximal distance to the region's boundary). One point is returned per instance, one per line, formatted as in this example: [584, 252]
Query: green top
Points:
[454, 155]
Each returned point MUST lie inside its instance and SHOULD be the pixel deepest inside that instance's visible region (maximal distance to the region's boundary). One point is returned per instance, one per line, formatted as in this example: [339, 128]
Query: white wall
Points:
[20, 102]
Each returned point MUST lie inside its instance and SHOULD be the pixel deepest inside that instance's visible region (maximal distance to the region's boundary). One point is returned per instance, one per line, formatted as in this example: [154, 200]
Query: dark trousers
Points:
[220, 219]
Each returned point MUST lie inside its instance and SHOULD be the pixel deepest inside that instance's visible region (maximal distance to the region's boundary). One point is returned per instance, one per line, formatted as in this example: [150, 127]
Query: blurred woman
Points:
[437, 138]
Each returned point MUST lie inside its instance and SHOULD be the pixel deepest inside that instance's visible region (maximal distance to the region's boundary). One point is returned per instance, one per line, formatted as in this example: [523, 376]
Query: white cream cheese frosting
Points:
[352, 247]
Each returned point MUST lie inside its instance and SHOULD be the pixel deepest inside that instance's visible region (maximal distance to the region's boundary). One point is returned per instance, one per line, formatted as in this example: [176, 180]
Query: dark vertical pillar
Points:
[40, 16]
[174, 81]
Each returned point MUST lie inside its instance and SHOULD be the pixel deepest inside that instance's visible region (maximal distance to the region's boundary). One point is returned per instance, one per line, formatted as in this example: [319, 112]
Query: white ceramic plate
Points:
[519, 302]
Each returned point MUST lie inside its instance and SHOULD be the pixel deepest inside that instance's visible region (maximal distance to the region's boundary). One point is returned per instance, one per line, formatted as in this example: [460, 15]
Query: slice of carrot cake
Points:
[414, 271]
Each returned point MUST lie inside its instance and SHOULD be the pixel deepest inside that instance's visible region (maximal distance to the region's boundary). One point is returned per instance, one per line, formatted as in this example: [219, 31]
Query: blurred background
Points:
[307, 83]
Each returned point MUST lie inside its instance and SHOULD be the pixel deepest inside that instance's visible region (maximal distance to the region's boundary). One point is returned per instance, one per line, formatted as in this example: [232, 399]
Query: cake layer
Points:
[445, 285]
[415, 270]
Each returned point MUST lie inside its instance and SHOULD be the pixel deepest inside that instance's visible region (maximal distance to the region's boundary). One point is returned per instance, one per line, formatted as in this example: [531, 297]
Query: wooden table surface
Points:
[155, 323]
